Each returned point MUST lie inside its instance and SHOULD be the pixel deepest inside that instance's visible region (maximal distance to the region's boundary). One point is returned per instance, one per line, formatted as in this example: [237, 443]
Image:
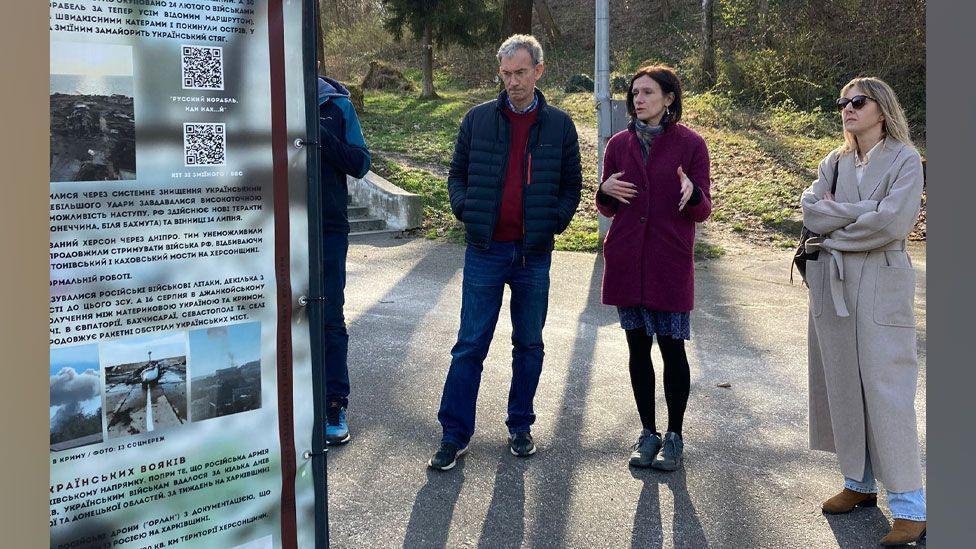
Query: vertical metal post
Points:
[316, 277]
[601, 90]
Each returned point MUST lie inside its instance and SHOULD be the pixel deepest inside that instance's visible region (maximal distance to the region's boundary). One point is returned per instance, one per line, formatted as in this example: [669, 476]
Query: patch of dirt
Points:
[405, 160]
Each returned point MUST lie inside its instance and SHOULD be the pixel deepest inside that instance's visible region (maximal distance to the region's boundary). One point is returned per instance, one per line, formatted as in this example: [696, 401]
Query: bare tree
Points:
[665, 10]
[764, 23]
[434, 22]
[547, 22]
[427, 63]
[320, 46]
[516, 17]
[708, 43]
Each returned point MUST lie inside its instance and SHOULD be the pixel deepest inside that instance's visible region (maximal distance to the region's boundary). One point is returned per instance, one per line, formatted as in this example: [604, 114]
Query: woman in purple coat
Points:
[655, 187]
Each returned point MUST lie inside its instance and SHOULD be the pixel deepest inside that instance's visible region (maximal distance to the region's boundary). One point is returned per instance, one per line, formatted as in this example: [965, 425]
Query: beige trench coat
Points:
[863, 369]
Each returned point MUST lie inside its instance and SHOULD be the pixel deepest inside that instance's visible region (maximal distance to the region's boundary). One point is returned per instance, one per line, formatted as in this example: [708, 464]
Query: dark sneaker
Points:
[645, 449]
[521, 444]
[670, 457]
[336, 428]
[446, 457]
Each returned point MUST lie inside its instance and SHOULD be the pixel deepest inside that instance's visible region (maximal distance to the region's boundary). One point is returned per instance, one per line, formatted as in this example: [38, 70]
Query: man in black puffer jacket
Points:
[515, 182]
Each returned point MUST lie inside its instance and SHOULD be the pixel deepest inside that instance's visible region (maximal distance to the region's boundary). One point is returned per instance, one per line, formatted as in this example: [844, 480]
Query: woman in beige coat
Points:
[862, 360]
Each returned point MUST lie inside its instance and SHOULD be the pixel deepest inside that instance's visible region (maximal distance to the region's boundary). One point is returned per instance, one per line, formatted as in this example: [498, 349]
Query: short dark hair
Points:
[669, 82]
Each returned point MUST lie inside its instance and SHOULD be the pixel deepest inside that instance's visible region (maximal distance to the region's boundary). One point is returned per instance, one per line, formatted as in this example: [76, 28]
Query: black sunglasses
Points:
[857, 102]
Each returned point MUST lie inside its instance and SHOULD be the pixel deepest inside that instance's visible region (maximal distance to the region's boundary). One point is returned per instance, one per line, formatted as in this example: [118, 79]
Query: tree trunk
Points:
[764, 23]
[665, 10]
[335, 12]
[516, 17]
[428, 64]
[548, 23]
[320, 46]
[708, 43]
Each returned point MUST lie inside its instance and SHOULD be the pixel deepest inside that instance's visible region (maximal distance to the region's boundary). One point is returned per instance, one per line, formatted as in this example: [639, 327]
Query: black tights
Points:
[677, 377]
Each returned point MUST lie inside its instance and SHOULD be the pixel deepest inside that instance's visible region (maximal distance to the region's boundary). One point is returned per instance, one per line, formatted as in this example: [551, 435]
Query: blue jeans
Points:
[485, 274]
[335, 339]
[903, 505]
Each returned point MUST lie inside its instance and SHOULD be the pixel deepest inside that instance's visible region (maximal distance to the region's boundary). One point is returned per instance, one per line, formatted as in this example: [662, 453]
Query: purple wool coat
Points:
[649, 249]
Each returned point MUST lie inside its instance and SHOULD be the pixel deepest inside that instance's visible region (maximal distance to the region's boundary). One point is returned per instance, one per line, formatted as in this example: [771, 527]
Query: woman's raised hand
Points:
[618, 188]
[687, 189]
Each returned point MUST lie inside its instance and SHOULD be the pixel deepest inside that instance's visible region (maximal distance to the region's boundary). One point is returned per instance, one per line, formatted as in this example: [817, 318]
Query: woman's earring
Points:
[667, 110]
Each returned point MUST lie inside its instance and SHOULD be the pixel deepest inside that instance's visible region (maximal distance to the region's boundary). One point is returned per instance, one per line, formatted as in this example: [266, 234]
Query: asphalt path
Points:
[749, 479]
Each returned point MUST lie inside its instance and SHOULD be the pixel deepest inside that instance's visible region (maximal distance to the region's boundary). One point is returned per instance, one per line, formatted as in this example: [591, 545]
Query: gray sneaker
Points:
[645, 449]
[670, 457]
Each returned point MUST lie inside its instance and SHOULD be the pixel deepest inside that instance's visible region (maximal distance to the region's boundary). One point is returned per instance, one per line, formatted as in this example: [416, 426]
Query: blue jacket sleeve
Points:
[348, 153]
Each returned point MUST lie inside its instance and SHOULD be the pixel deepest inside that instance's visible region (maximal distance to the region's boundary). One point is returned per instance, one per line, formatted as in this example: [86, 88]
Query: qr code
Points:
[204, 144]
[203, 68]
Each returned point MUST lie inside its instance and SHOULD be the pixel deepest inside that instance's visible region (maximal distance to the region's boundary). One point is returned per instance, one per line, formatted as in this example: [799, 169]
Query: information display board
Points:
[175, 391]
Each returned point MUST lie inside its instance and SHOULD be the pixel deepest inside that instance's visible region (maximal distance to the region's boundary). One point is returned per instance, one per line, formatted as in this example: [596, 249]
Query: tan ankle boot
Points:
[904, 531]
[847, 500]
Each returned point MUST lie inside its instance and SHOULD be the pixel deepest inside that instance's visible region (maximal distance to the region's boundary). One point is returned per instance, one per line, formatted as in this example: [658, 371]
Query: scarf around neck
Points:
[646, 133]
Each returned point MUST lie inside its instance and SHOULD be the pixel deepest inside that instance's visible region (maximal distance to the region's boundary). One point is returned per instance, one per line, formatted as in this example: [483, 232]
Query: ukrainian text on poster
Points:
[162, 305]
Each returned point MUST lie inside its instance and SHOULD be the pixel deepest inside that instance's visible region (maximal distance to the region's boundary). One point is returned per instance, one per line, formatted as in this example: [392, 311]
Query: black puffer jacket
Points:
[550, 194]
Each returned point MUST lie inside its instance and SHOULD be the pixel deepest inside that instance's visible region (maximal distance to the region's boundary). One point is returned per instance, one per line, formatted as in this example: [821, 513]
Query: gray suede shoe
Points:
[670, 457]
[645, 449]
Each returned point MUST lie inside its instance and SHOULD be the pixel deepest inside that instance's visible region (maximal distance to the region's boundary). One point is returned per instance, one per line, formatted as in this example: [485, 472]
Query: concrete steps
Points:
[367, 224]
[364, 222]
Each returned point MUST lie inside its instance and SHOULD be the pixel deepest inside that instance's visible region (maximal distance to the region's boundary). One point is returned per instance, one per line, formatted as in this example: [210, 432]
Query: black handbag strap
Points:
[833, 190]
[833, 185]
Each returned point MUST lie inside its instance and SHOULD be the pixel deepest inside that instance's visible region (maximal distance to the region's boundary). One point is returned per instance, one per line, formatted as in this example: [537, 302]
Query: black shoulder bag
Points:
[801, 256]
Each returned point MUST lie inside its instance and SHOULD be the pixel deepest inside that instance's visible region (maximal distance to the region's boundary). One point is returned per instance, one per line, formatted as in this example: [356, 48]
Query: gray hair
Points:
[525, 42]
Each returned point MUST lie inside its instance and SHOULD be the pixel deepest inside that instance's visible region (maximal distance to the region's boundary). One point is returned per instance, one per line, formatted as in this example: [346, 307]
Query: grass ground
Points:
[761, 162]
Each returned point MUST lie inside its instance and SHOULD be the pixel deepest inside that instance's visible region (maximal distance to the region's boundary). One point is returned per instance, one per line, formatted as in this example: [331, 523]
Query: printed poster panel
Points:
[163, 314]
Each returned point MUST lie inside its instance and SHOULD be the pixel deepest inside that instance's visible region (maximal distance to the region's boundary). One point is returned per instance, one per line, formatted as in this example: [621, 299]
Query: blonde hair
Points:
[894, 125]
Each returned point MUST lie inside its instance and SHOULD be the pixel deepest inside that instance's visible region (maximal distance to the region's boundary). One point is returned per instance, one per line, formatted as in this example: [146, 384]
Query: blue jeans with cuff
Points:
[486, 272]
[903, 505]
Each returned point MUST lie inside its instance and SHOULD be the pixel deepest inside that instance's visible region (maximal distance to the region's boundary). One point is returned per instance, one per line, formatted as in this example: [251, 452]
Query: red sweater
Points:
[649, 249]
[509, 226]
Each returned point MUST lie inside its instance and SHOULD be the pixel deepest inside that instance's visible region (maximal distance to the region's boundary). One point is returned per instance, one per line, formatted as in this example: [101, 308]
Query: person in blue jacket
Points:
[344, 152]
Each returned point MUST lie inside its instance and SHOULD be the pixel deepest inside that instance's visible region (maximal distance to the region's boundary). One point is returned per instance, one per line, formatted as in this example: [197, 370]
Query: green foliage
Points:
[450, 21]
[423, 130]
[581, 236]
[765, 77]
[735, 13]
[579, 83]
[762, 159]
[619, 84]
[714, 109]
[799, 50]
[707, 250]
[788, 118]
[438, 220]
